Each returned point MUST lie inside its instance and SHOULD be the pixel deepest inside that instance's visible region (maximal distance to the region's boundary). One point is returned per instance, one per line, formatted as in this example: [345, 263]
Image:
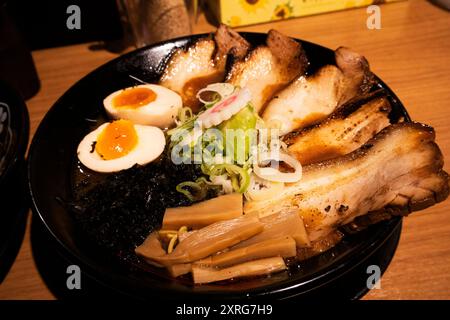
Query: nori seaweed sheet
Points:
[122, 210]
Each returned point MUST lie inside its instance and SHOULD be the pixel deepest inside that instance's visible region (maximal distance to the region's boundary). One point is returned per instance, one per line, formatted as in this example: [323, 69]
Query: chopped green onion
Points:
[194, 186]
[184, 114]
[240, 177]
[201, 186]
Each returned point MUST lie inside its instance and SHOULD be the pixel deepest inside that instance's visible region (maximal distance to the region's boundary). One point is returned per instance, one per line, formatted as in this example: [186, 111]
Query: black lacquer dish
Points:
[340, 272]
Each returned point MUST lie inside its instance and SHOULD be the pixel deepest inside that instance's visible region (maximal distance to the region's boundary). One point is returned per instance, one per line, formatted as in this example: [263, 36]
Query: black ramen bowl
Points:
[341, 272]
[14, 129]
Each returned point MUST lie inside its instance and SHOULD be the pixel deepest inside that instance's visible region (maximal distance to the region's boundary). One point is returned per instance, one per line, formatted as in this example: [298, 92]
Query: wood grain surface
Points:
[410, 53]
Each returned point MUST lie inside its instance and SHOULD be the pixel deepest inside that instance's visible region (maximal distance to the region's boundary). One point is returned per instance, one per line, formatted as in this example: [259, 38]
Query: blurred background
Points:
[120, 25]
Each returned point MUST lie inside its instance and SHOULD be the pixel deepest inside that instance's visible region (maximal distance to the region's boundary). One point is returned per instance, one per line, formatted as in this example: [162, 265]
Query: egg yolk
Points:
[134, 98]
[116, 140]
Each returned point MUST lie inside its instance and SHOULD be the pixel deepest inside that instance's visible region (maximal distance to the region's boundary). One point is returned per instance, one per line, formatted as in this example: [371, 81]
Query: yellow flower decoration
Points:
[251, 6]
[234, 21]
[282, 11]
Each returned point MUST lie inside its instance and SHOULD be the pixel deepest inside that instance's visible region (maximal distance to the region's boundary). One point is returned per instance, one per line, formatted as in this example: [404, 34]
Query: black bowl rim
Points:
[289, 287]
[20, 145]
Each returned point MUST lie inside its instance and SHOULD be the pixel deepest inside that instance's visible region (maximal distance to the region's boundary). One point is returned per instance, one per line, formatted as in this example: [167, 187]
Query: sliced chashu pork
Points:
[310, 99]
[269, 68]
[202, 63]
[399, 169]
[341, 133]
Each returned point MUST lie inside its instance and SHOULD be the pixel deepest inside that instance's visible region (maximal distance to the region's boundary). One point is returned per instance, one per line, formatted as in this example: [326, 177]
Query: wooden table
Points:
[411, 53]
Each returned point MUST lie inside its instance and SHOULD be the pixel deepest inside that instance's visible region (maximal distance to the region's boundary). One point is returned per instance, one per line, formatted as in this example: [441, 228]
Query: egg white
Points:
[160, 113]
[150, 145]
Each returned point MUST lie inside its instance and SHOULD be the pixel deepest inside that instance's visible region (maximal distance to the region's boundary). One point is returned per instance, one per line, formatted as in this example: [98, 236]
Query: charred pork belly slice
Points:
[358, 79]
[230, 42]
[269, 68]
[202, 63]
[401, 167]
[343, 132]
[310, 99]
[321, 245]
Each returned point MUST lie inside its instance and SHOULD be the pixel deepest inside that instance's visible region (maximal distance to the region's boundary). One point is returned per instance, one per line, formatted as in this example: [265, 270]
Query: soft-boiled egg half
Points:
[119, 145]
[146, 104]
